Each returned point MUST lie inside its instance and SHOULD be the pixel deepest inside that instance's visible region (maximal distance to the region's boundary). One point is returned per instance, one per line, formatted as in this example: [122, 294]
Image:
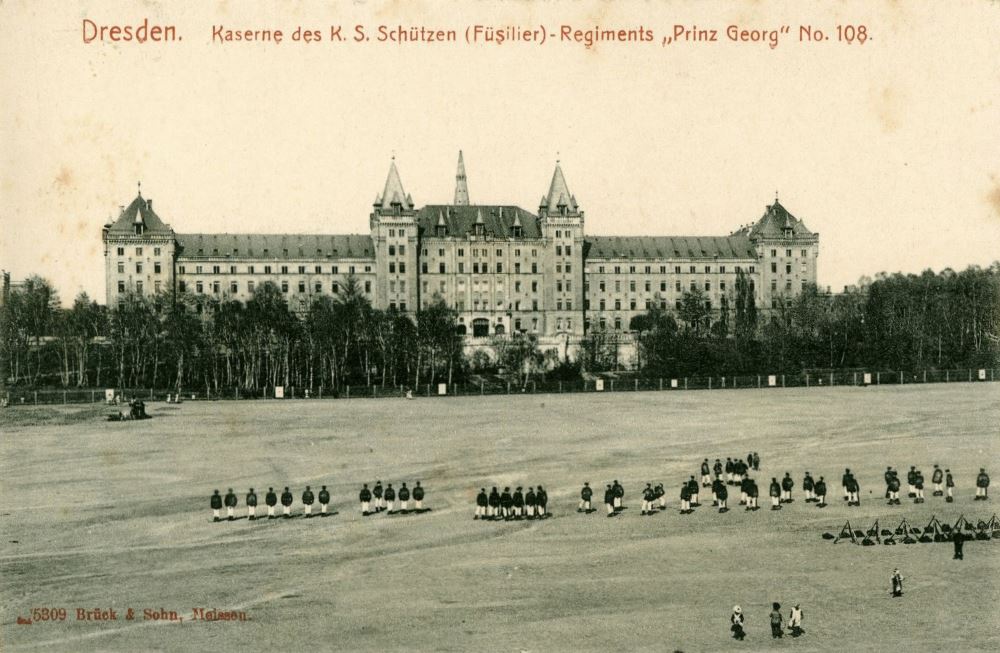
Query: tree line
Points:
[944, 320]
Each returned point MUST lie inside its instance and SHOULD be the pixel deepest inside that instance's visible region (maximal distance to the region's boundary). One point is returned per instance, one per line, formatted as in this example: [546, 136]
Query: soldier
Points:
[749, 460]
[717, 467]
[786, 488]
[418, 498]
[324, 500]
[307, 501]
[721, 494]
[775, 492]
[888, 481]
[530, 501]
[744, 496]
[517, 501]
[389, 499]
[506, 503]
[739, 470]
[609, 500]
[251, 505]
[230, 502]
[541, 502]
[286, 503]
[585, 494]
[982, 485]
[795, 621]
[686, 499]
[808, 484]
[493, 507]
[377, 496]
[365, 497]
[271, 499]
[821, 493]
[776, 621]
[918, 486]
[756, 461]
[736, 621]
[958, 537]
[706, 480]
[911, 479]
[404, 498]
[619, 494]
[647, 500]
[216, 503]
[893, 490]
[659, 494]
[482, 504]
[729, 471]
[693, 489]
[843, 483]
[854, 489]
[897, 583]
[937, 476]
[949, 482]
[753, 493]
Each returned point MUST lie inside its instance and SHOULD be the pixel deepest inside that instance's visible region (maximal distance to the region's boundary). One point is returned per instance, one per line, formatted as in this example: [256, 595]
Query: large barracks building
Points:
[501, 267]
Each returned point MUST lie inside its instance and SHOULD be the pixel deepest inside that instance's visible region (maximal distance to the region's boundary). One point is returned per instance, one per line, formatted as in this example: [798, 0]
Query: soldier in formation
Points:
[308, 498]
[937, 478]
[706, 479]
[482, 504]
[418, 498]
[786, 488]
[821, 493]
[251, 505]
[775, 491]
[647, 500]
[808, 486]
[230, 502]
[286, 503]
[730, 469]
[619, 495]
[949, 482]
[911, 482]
[982, 485]
[271, 499]
[686, 499]
[377, 496]
[216, 503]
[389, 499]
[854, 491]
[717, 467]
[918, 486]
[517, 501]
[365, 497]
[324, 500]
[693, 490]
[404, 499]
[721, 494]
[892, 487]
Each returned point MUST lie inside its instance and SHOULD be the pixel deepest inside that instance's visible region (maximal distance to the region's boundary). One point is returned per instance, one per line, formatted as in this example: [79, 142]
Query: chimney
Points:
[149, 204]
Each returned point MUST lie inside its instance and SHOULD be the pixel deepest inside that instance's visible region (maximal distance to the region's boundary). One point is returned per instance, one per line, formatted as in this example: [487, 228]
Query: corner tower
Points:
[561, 222]
[393, 227]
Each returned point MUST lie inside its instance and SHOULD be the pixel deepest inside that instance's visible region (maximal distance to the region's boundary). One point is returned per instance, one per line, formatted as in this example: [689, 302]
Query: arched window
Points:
[498, 329]
[480, 327]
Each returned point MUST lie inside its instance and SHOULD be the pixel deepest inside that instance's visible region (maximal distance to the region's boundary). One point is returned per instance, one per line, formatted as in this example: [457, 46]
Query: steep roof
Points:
[699, 247]
[140, 211]
[496, 220]
[461, 184]
[775, 220]
[558, 192]
[276, 246]
[393, 192]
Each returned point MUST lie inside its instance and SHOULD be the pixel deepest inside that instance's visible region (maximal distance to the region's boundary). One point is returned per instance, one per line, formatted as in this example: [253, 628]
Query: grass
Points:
[101, 514]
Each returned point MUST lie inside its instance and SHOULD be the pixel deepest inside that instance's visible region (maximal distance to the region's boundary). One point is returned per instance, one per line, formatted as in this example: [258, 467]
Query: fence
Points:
[495, 386]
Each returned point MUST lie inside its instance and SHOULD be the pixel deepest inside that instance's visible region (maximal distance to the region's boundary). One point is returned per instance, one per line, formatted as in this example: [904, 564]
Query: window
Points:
[402, 286]
[392, 233]
[392, 250]
[517, 286]
[693, 285]
[233, 287]
[805, 253]
[558, 304]
[774, 253]
[648, 286]
[121, 267]
[534, 286]
[677, 285]
[216, 287]
[631, 269]
[423, 267]
[267, 269]
[601, 285]
[335, 287]
[284, 269]
[319, 287]
[461, 252]
[788, 285]
[618, 304]
[138, 268]
[232, 268]
[181, 269]
[558, 250]
[774, 267]
[441, 267]
[568, 266]
[788, 253]
[461, 267]
[517, 268]
[215, 269]
[631, 304]
[284, 286]
[602, 304]
[618, 269]
[121, 286]
[318, 269]
[302, 269]
[402, 250]
[631, 286]
[440, 252]
[788, 268]
[663, 286]
[182, 286]
[708, 286]
[618, 285]
[138, 287]
[774, 285]
[121, 251]
[198, 286]
[567, 250]
[751, 270]
[618, 324]
[677, 269]
[138, 251]
[722, 285]
[368, 286]
[392, 267]
[402, 268]
[558, 286]
[534, 304]
[534, 268]
[250, 287]
[708, 269]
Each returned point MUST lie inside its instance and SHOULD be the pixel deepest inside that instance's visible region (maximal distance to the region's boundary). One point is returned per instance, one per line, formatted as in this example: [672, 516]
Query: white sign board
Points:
[982, 375]
[868, 378]
[673, 383]
[442, 388]
[279, 392]
[599, 385]
[772, 380]
[109, 395]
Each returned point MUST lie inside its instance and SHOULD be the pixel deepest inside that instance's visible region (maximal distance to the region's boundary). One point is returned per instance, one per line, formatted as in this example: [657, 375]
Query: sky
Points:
[889, 150]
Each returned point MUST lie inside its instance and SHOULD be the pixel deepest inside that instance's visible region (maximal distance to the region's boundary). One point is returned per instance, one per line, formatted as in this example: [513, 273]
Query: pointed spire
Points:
[393, 192]
[479, 216]
[558, 190]
[441, 222]
[461, 185]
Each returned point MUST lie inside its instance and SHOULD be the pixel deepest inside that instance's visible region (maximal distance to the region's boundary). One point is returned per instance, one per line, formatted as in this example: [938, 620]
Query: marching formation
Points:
[271, 499]
[378, 500]
[516, 505]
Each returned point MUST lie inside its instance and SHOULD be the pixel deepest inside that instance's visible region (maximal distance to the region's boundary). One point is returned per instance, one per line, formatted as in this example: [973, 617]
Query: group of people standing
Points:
[516, 505]
[737, 622]
[379, 499]
[271, 500]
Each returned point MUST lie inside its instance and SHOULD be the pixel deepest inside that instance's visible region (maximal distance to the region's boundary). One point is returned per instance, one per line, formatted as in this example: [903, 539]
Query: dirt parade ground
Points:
[102, 518]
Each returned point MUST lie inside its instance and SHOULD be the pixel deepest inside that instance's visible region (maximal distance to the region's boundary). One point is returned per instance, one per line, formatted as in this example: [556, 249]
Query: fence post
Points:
[481, 390]
[92, 397]
[855, 378]
[36, 397]
[560, 386]
[373, 391]
[878, 378]
[64, 397]
[348, 392]
[637, 384]
[661, 384]
[685, 383]
[947, 376]
[807, 380]
[612, 385]
[709, 383]
[758, 380]
[925, 376]
[508, 387]
[534, 387]
[831, 379]
[428, 389]
[970, 376]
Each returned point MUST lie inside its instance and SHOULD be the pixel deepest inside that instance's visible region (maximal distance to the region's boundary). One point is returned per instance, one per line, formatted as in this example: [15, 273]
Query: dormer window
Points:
[517, 231]
[788, 232]
[480, 229]
[138, 229]
[441, 230]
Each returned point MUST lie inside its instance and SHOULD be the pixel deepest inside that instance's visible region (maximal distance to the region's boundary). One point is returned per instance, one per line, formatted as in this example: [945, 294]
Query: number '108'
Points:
[852, 33]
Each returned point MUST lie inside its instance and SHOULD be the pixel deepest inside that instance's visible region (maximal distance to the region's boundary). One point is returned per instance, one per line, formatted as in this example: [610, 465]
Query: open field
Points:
[115, 515]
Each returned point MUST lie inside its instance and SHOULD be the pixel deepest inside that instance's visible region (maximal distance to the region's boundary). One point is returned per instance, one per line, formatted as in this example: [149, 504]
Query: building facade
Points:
[502, 268]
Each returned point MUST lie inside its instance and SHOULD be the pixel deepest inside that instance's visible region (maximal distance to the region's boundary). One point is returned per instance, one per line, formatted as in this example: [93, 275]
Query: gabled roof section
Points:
[559, 194]
[393, 192]
[737, 246]
[775, 221]
[276, 246]
[460, 221]
[139, 212]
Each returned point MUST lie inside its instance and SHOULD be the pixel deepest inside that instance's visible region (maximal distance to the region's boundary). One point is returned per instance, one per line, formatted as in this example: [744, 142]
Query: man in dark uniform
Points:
[843, 483]
[659, 495]
[911, 480]
[706, 480]
[517, 501]
[808, 485]
[365, 497]
[482, 503]
[949, 482]
[729, 471]
[216, 503]
[937, 477]
[585, 494]
[389, 499]
[493, 509]
[749, 460]
[286, 503]
[542, 501]
[721, 494]
[418, 498]
[307, 502]
[377, 496]
[686, 499]
[958, 537]
[982, 485]
[739, 470]
[821, 493]
[251, 505]
[893, 490]
[530, 500]
[855, 491]
[775, 492]
[271, 499]
[756, 461]
[609, 500]
[753, 493]
[786, 488]
[888, 478]
[404, 499]
[230, 502]
[918, 486]
[647, 500]
[897, 583]
[619, 494]
[324, 500]
[693, 489]
[717, 467]
[506, 503]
